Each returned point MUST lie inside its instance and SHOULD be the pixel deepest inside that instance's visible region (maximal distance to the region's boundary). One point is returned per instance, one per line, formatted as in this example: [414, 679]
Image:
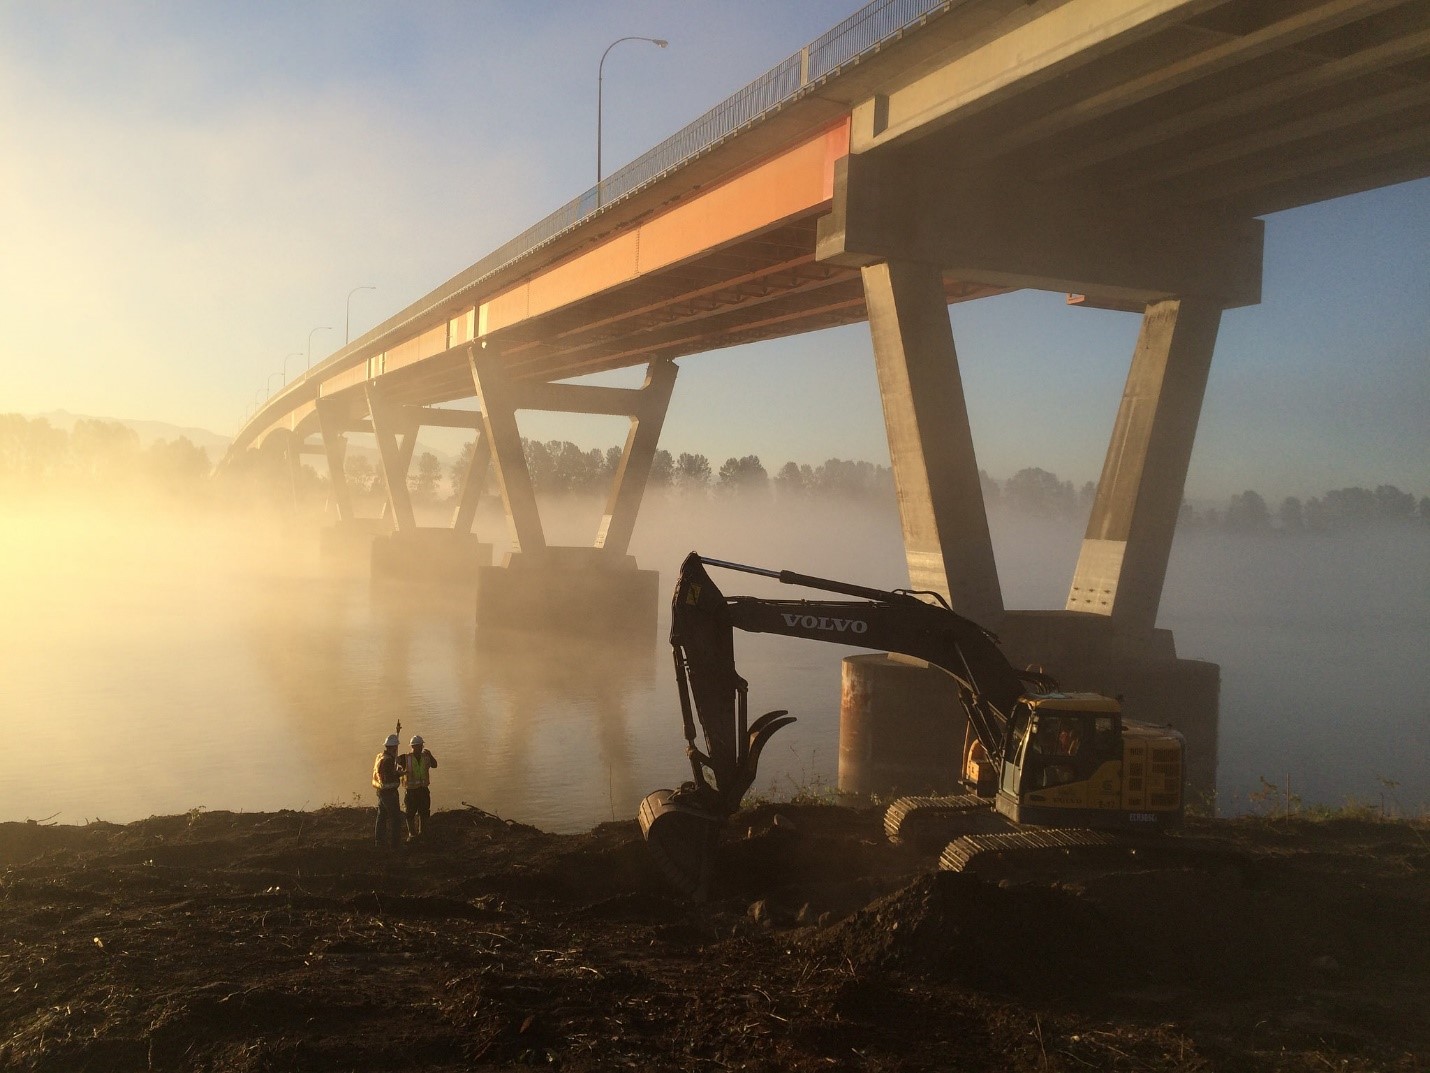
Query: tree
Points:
[104, 451]
[423, 483]
[790, 481]
[30, 450]
[1350, 506]
[662, 469]
[1037, 491]
[457, 473]
[1247, 513]
[178, 466]
[1393, 505]
[744, 476]
[360, 474]
[1291, 516]
[692, 473]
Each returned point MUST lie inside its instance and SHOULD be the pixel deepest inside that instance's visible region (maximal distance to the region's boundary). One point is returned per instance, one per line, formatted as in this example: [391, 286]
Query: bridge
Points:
[918, 154]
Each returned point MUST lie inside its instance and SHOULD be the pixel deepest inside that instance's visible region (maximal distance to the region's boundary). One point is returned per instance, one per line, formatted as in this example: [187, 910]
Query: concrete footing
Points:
[352, 538]
[429, 555]
[901, 727]
[569, 590]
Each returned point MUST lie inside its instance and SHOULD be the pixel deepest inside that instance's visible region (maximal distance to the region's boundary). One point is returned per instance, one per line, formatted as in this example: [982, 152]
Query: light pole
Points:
[347, 316]
[315, 331]
[600, 75]
[270, 382]
[295, 354]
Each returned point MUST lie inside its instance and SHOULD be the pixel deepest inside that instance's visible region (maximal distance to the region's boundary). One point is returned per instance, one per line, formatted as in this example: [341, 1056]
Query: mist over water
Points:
[166, 662]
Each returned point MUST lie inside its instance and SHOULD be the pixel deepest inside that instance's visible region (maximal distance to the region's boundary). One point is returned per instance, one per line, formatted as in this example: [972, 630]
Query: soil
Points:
[220, 941]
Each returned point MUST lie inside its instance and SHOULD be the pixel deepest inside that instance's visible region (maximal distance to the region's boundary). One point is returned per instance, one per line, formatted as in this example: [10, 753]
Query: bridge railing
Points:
[866, 31]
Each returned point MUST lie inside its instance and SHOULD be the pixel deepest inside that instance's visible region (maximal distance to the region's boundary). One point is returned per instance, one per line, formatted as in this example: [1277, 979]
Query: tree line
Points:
[95, 456]
[106, 456]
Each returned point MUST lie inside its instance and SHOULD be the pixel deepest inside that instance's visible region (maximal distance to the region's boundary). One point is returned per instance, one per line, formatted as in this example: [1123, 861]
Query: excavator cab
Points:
[1069, 759]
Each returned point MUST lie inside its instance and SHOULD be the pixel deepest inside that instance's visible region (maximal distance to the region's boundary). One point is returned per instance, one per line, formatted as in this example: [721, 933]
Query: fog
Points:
[161, 660]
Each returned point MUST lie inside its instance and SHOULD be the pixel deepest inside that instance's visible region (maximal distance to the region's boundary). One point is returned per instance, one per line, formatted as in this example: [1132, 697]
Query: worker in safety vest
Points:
[386, 778]
[416, 768]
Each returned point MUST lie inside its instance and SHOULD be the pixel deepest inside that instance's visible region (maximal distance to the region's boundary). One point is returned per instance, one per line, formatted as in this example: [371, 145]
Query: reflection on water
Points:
[165, 668]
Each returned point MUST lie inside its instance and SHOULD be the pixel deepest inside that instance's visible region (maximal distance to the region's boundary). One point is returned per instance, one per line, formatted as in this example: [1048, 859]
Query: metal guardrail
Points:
[866, 31]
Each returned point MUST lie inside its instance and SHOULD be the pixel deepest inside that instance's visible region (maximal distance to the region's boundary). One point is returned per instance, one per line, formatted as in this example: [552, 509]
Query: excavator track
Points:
[1065, 847]
[929, 822]
[971, 852]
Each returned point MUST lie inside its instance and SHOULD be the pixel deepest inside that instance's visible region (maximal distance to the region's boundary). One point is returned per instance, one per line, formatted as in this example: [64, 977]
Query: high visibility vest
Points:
[416, 771]
[384, 780]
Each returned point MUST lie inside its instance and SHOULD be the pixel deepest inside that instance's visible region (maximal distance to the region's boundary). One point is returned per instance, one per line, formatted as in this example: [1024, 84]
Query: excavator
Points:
[1062, 770]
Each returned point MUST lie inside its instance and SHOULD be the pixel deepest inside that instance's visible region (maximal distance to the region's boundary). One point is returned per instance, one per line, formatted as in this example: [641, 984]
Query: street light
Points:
[295, 354]
[270, 382]
[315, 331]
[347, 317]
[600, 75]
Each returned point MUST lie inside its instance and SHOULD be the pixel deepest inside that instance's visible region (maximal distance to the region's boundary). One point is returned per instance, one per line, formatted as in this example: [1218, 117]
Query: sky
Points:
[188, 189]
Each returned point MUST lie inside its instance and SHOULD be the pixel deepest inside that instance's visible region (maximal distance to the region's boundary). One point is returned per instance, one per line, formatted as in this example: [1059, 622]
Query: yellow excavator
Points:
[1061, 769]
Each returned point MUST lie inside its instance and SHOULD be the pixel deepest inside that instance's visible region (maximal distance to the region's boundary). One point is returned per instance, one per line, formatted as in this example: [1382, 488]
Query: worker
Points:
[386, 778]
[416, 768]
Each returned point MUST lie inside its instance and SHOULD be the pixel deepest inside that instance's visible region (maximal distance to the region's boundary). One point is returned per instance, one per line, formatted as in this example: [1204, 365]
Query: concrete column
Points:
[633, 471]
[335, 444]
[1123, 562]
[396, 457]
[494, 393]
[945, 523]
[473, 484]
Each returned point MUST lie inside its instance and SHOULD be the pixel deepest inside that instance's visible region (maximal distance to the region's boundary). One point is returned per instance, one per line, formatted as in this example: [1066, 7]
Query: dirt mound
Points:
[236, 942]
[1011, 939]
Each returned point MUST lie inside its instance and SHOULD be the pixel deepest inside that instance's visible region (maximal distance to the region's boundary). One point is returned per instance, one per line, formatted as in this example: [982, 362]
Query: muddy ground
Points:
[222, 941]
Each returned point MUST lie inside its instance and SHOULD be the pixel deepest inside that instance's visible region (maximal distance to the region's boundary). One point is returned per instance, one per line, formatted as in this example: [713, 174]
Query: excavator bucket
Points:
[682, 838]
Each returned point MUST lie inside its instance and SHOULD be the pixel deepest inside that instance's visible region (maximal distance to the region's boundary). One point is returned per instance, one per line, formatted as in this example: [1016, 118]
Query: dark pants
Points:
[388, 831]
[419, 809]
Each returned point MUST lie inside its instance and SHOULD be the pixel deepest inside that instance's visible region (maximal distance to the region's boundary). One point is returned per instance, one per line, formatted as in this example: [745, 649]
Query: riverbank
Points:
[236, 942]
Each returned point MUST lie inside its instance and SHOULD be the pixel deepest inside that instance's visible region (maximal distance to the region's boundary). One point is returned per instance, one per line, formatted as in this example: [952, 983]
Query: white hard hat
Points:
[416, 739]
[391, 742]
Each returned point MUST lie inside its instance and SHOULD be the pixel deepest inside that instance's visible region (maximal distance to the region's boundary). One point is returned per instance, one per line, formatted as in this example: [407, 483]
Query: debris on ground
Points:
[239, 942]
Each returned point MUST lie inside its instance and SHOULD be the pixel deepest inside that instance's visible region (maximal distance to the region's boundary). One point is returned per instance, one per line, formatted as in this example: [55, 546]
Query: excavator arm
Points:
[682, 826]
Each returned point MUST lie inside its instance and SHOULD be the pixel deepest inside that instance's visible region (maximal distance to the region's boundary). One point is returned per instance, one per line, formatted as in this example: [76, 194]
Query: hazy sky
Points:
[187, 188]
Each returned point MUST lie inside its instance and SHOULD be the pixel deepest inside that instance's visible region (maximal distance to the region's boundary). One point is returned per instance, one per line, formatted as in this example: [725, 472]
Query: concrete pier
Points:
[435, 555]
[569, 591]
[901, 728]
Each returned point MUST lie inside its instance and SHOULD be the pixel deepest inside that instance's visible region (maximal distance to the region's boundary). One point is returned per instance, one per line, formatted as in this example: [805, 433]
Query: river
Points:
[156, 663]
